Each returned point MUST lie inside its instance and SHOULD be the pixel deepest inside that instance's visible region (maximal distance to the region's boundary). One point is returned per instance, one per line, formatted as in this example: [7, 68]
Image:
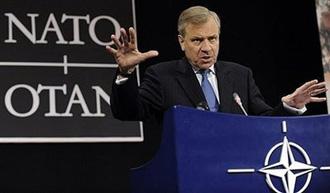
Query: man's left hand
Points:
[307, 93]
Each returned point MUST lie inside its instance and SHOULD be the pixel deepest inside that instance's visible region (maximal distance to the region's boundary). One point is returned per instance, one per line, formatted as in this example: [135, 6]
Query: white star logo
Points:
[288, 169]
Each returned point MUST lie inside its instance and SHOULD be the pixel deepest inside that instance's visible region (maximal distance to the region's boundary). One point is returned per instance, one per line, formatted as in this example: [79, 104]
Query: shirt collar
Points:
[195, 69]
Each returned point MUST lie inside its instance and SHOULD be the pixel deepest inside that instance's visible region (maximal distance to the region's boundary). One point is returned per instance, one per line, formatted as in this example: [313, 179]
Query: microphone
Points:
[202, 106]
[237, 99]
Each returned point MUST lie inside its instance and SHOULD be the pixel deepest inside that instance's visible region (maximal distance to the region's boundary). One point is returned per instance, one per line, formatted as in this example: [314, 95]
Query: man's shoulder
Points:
[231, 65]
[228, 66]
[166, 66]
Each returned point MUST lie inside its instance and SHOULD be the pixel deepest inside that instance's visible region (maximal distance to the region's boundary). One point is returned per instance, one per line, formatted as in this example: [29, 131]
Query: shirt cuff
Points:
[121, 79]
[294, 110]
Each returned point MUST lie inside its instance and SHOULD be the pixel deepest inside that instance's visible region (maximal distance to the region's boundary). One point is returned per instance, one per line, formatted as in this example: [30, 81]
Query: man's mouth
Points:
[206, 58]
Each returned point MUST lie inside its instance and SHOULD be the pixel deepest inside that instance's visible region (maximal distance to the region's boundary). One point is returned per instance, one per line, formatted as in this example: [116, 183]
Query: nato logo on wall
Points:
[55, 73]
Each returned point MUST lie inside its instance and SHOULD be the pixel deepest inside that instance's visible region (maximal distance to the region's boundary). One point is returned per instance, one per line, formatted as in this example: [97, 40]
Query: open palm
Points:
[126, 52]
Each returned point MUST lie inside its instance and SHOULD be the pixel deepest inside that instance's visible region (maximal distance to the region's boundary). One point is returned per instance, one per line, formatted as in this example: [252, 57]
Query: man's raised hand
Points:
[126, 52]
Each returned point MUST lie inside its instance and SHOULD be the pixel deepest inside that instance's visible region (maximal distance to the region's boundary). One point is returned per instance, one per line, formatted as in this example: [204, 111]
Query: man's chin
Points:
[205, 65]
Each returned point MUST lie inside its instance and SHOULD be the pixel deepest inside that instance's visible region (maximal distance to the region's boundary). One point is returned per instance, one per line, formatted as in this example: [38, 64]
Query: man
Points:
[193, 80]
[179, 82]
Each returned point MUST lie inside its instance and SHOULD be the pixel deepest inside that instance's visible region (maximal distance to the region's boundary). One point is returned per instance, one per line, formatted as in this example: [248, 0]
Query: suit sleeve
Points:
[131, 102]
[257, 104]
[123, 99]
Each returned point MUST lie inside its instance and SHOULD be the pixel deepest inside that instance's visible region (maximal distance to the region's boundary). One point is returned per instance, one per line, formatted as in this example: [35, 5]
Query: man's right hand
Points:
[126, 52]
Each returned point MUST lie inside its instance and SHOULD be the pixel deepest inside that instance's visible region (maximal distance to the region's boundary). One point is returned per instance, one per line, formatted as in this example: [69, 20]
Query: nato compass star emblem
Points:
[287, 169]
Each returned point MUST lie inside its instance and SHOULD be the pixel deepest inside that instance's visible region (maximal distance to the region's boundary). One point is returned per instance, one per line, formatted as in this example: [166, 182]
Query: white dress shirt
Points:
[212, 79]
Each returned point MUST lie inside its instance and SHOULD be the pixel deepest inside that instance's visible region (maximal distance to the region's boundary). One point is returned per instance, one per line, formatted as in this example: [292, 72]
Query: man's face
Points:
[201, 43]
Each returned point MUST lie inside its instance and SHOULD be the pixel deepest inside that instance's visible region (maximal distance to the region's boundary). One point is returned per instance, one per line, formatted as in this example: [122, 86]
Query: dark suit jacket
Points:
[174, 83]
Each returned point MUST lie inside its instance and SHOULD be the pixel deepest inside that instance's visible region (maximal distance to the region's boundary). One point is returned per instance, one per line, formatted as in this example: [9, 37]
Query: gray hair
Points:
[196, 15]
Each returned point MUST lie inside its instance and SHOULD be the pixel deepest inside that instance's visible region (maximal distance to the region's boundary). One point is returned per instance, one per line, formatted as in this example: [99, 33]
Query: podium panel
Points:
[205, 152]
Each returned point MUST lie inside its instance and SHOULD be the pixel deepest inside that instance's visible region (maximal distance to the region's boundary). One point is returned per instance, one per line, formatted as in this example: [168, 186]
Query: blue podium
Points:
[205, 152]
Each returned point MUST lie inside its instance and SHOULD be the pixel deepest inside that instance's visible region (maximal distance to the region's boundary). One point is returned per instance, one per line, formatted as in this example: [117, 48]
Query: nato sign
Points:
[216, 152]
[55, 74]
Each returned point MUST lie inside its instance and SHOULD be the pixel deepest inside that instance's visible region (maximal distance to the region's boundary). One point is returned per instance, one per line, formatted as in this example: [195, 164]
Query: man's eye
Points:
[196, 40]
[212, 39]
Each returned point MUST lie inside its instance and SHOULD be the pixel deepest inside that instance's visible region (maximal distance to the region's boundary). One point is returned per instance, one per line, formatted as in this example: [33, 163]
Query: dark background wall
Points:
[278, 40]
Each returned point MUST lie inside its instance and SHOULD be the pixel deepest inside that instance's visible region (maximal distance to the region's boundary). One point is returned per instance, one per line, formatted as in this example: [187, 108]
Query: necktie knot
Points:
[204, 73]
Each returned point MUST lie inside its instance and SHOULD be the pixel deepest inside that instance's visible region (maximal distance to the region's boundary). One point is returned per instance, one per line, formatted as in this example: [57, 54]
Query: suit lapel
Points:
[189, 83]
[225, 87]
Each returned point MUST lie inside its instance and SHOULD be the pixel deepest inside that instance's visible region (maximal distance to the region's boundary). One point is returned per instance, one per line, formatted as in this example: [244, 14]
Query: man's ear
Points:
[181, 42]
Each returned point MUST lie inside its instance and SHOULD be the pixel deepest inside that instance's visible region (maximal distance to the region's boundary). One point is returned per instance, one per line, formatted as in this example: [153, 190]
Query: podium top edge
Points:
[191, 109]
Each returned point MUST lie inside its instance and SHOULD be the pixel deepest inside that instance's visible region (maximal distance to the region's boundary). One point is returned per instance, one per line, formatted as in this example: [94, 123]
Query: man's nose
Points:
[206, 46]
